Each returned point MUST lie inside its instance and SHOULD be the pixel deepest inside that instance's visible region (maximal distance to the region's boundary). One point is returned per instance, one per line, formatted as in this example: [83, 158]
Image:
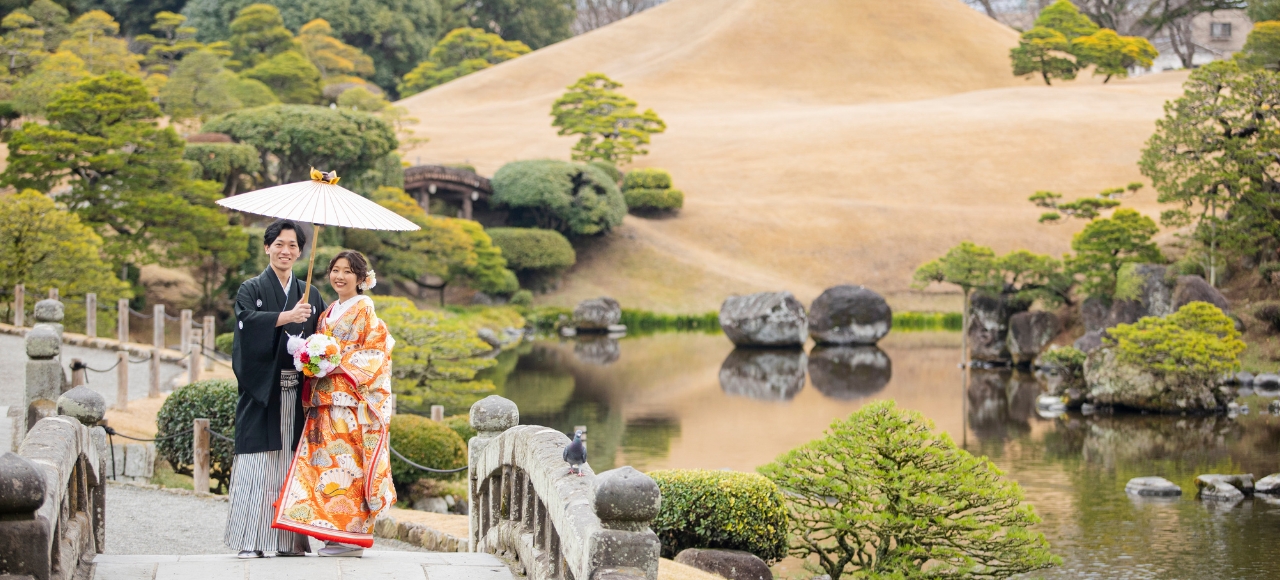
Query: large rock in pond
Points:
[764, 374]
[597, 314]
[1268, 484]
[1195, 289]
[988, 328]
[1114, 383]
[849, 315]
[849, 373]
[1152, 486]
[764, 319]
[730, 564]
[1225, 488]
[1029, 333]
[1149, 294]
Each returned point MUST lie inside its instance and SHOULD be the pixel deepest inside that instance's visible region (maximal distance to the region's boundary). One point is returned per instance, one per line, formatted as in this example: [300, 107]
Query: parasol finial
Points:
[329, 177]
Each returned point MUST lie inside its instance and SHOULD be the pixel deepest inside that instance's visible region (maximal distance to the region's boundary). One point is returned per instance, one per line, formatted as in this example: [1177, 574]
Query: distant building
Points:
[1213, 35]
[1206, 37]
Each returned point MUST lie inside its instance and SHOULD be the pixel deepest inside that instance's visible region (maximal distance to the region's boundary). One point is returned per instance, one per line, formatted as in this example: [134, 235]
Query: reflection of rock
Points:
[850, 315]
[988, 328]
[600, 350]
[1029, 332]
[849, 372]
[1001, 400]
[1128, 439]
[597, 314]
[764, 319]
[765, 374]
[1119, 384]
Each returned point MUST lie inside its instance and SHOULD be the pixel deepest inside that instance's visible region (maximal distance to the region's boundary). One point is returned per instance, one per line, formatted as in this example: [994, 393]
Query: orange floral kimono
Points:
[340, 478]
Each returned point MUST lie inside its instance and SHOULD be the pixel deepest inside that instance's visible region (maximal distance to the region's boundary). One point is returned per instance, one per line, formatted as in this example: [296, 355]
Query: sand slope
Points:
[817, 141]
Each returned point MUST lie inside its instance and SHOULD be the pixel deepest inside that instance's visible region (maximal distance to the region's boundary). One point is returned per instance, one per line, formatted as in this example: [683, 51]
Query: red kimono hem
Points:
[326, 534]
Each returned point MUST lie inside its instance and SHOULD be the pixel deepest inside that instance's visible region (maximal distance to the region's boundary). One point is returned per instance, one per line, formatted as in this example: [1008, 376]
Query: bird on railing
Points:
[575, 453]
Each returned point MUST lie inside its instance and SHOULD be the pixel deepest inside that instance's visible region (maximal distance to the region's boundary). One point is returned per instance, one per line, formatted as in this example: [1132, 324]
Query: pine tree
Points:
[610, 127]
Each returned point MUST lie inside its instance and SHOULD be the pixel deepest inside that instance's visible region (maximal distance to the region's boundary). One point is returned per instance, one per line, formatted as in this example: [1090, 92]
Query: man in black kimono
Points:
[269, 414]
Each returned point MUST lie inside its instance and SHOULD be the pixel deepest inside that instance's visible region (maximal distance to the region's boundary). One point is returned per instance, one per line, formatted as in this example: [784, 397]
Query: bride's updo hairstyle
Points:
[359, 266]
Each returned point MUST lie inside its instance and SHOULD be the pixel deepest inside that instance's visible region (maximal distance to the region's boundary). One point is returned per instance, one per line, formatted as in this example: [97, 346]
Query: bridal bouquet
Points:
[316, 356]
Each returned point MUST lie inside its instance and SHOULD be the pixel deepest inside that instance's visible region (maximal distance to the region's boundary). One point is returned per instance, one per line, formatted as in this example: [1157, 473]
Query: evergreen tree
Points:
[1263, 10]
[22, 45]
[1112, 54]
[290, 76]
[535, 23]
[93, 39]
[172, 42]
[257, 34]
[126, 175]
[45, 246]
[34, 92]
[459, 53]
[1047, 49]
[199, 88]
[1262, 47]
[337, 60]
[1107, 244]
[610, 127]
[52, 21]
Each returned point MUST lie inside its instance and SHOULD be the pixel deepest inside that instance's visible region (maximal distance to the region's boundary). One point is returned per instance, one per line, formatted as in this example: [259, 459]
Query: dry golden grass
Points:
[672, 570]
[818, 142]
[139, 420]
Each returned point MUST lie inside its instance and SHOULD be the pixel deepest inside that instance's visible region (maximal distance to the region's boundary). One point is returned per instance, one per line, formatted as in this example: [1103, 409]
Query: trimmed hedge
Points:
[533, 249]
[721, 510]
[224, 342]
[647, 179]
[214, 400]
[461, 424]
[653, 199]
[574, 199]
[424, 442]
[608, 168]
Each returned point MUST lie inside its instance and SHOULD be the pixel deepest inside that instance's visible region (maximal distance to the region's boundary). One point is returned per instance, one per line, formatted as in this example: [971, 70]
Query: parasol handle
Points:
[311, 265]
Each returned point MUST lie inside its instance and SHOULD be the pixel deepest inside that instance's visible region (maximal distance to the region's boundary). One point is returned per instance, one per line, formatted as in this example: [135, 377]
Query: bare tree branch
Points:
[593, 14]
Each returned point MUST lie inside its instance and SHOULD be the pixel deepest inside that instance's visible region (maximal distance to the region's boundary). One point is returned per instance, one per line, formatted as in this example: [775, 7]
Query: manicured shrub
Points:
[461, 424]
[533, 249]
[425, 442]
[523, 298]
[720, 509]
[647, 179]
[224, 342]
[574, 199]
[653, 200]
[649, 191]
[1069, 361]
[1198, 340]
[608, 168]
[214, 400]
[882, 495]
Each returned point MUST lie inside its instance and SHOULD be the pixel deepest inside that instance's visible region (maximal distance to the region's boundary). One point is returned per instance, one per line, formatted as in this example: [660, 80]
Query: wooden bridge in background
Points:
[460, 188]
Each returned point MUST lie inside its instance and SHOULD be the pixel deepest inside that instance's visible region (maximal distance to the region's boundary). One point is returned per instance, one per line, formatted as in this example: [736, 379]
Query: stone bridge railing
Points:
[526, 507]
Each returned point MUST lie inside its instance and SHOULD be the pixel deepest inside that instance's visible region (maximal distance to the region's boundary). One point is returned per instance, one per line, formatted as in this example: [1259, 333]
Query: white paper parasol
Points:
[322, 202]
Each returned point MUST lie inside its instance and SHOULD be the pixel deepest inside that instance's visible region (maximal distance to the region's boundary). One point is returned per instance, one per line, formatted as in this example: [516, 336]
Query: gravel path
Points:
[13, 356]
[143, 521]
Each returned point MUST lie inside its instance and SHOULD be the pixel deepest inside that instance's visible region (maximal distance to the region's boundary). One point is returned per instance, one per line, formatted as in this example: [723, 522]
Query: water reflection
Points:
[597, 349]
[849, 373]
[691, 401]
[1001, 402]
[763, 374]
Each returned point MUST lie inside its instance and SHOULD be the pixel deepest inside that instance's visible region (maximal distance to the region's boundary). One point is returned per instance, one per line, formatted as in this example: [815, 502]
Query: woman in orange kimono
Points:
[340, 478]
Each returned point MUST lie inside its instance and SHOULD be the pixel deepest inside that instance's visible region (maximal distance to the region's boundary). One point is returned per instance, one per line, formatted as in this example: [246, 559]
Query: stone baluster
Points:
[24, 539]
[45, 379]
[626, 502]
[490, 416]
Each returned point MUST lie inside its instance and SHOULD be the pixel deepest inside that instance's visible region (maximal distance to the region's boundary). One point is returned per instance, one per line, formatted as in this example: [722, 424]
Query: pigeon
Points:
[575, 453]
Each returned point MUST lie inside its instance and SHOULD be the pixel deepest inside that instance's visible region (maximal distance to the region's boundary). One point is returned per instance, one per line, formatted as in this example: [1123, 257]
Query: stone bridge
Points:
[528, 515]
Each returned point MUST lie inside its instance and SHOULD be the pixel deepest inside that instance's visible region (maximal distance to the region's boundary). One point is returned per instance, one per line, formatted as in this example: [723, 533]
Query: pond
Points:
[687, 400]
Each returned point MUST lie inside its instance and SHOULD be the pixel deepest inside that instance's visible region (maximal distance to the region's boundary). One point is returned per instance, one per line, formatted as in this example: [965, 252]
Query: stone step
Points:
[375, 565]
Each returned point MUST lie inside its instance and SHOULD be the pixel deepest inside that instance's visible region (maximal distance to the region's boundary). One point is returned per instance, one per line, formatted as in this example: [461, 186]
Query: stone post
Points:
[194, 362]
[200, 456]
[45, 379]
[626, 502]
[122, 380]
[209, 345]
[490, 416]
[19, 305]
[184, 330]
[122, 321]
[53, 294]
[24, 538]
[157, 326]
[153, 387]
[91, 315]
[83, 404]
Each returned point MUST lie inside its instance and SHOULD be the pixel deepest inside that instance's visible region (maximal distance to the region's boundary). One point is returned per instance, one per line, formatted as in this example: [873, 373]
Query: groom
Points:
[269, 414]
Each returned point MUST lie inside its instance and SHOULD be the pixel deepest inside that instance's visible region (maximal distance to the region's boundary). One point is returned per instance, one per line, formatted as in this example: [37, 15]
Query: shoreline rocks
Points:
[1112, 383]
[597, 314]
[849, 315]
[988, 328]
[1029, 333]
[768, 319]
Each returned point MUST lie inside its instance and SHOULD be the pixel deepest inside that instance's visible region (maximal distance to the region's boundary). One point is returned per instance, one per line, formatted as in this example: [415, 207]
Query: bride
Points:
[340, 478]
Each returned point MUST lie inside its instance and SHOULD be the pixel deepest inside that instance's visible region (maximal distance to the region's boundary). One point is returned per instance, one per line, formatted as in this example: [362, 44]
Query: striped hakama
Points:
[256, 479]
